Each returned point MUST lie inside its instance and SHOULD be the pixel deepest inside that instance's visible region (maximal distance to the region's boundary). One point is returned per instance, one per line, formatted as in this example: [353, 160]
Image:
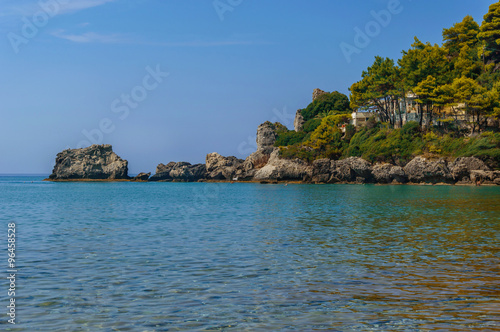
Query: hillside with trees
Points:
[436, 100]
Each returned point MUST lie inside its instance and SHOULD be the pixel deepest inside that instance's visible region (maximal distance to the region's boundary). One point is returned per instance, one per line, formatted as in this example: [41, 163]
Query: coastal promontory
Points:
[96, 162]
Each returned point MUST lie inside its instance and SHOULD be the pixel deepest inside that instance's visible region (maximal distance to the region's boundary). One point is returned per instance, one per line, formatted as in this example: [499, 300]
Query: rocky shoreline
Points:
[100, 163]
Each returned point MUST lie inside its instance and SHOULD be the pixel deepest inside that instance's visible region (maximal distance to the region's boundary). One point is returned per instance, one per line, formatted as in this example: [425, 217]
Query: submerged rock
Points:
[97, 162]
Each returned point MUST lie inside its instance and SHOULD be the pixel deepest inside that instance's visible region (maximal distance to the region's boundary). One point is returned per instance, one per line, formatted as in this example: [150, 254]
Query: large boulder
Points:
[422, 170]
[96, 162]
[353, 169]
[179, 171]
[142, 177]
[461, 168]
[266, 137]
[387, 173]
[278, 169]
[350, 170]
[222, 168]
[485, 177]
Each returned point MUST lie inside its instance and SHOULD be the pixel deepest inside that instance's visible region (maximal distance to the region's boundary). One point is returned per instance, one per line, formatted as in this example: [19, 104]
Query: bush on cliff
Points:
[396, 146]
[325, 103]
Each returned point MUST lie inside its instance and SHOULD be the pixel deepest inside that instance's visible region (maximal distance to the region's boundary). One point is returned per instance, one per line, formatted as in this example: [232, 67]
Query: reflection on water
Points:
[245, 257]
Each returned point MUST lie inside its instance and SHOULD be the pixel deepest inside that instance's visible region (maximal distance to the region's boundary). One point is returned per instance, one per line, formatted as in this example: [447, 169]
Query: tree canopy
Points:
[326, 103]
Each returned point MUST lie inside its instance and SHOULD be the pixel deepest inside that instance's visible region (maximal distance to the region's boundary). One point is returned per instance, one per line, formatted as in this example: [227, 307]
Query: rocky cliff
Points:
[180, 171]
[97, 162]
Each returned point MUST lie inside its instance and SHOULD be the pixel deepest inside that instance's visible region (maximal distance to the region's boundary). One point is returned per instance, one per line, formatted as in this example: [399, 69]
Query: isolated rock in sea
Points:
[298, 122]
[387, 173]
[142, 177]
[422, 170]
[97, 162]
[460, 168]
[222, 168]
[284, 170]
[179, 171]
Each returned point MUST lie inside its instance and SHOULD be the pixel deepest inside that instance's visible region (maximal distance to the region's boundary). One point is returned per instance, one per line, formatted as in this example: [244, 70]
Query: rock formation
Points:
[142, 177]
[350, 170]
[298, 122]
[266, 137]
[97, 162]
[222, 168]
[317, 93]
[422, 170]
[279, 169]
[461, 168]
[387, 173]
[179, 171]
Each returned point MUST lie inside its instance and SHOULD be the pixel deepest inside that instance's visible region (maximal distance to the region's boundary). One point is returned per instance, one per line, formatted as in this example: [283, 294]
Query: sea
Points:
[129, 256]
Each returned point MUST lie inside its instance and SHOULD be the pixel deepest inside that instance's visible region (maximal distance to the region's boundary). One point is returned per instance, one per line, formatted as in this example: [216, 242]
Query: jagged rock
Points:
[283, 169]
[142, 177]
[322, 170]
[266, 137]
[485, 177]
[317, 93]
[352, 169]
[180, 171]
[298, 123]
[97, 162]
[222, 168]
[387, 173]
[460, 169]
[421, 170]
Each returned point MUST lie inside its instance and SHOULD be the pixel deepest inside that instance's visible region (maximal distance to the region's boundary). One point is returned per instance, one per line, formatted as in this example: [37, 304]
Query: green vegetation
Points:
[397, 146]
[328, 103]
[464, 71]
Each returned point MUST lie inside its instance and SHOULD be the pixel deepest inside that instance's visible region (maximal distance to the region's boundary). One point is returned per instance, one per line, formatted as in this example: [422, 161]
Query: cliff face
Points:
[181, 171]
[97, 162]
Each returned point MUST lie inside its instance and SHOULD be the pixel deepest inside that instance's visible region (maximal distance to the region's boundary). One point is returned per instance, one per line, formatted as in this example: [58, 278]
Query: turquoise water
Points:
[251, 257]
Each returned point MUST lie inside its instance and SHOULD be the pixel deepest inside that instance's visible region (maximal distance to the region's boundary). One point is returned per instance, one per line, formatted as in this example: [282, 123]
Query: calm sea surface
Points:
[251, 257]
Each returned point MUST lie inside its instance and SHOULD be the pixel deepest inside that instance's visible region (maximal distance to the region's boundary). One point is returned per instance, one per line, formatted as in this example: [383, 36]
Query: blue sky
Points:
[165, 80]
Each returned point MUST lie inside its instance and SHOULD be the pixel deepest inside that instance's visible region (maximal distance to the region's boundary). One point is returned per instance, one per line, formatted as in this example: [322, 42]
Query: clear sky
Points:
[165, 80]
